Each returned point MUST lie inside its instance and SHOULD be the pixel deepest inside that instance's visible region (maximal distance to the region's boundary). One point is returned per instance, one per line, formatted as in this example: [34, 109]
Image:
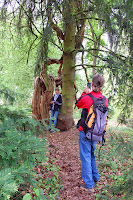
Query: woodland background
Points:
[65, 42]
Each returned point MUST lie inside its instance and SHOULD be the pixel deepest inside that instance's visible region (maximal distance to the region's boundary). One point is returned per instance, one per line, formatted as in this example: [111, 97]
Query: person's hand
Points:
[52, 102]
[87, 90]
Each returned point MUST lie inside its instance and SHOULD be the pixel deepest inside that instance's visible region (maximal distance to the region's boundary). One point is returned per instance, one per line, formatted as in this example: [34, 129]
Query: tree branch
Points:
[53, 25]
[92, 49]
[79, 40]
[124, 61]
[92, 30]
[30, 20]
[85, 70]
[30, 49]
[23, 57]
[57, 45]
[111, 52]
[90, 8]
[102, 46]
[100, 19]
[51, 61]
[88, 66]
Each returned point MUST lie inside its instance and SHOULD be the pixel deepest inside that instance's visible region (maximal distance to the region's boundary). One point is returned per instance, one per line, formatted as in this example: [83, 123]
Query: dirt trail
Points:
[64, 147]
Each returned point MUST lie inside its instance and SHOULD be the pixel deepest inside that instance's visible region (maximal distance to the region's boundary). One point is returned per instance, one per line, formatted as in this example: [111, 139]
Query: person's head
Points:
[57, 90]
[97, 82]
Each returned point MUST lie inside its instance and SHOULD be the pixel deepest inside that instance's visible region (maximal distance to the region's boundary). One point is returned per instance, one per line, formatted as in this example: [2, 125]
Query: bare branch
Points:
[57, 29]
[57, 45]
[90, 8]
[30, 20]
[51, 61]
[85, 70]
[95, 18]
[30, 49]
[91, 49]
[23, 57]
[88, 66]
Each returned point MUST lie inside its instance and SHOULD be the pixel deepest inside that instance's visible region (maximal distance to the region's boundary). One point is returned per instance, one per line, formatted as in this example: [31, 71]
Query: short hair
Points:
[98, 82]
[57, 88]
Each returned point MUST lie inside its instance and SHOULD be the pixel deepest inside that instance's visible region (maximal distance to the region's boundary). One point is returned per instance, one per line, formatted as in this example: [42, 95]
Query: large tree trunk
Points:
[43, 92]
[36, 100]
[65, 119]
[47, 94]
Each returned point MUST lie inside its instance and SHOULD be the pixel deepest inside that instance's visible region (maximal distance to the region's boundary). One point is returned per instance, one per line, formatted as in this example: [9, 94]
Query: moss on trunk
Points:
[65, 119]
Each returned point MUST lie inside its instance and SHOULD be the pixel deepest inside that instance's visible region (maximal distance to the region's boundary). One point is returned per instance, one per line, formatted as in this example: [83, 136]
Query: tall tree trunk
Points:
[65, 119]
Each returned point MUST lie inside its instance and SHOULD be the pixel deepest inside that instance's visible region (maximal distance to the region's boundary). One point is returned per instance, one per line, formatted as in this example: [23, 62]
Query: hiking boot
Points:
[89, 190]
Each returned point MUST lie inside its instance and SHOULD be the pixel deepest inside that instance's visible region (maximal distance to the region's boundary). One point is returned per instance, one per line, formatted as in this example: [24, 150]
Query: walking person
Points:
[87, 146]
[55, 107]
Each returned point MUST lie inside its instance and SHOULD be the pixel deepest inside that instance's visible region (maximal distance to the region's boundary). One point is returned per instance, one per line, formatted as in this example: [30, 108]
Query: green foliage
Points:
[20, 62]
[20, 150]
[27, 196]
[16, 76]
[37, 194]
[10, 97]
[130, 122]
[27, 35]
[120, 80]
[52, 185]
[6, 95]
[116, 161]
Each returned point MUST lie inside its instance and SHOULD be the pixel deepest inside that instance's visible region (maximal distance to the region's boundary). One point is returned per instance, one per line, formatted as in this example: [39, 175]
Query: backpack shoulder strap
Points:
[104, 99]
[92, 97]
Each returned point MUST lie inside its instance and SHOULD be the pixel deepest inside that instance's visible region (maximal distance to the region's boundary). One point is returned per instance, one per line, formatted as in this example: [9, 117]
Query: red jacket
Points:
[85, 101]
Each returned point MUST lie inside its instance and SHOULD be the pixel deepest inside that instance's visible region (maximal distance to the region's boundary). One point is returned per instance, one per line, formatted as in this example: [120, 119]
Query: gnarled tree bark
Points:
[71, 41]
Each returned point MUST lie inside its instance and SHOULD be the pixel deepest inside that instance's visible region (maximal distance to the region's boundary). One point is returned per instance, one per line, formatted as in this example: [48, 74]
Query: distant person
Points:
[55, 105]
[87, 146]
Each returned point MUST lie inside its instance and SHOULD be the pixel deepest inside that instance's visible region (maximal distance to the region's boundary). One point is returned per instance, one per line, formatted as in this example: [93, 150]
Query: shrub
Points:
[20, 150]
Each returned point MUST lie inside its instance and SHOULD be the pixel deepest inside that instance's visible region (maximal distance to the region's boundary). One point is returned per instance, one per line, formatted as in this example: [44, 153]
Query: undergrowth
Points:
[116, 164]
[21, 150]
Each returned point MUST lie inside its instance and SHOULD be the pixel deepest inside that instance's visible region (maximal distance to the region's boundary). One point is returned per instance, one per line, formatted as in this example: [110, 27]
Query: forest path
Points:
[64, 148]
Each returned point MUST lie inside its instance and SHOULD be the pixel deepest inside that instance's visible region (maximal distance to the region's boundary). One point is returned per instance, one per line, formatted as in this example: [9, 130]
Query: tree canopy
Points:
[48, 43]
[46, 25]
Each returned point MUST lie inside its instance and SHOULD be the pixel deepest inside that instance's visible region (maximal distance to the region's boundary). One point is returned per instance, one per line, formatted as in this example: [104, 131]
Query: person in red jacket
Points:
[89, 170]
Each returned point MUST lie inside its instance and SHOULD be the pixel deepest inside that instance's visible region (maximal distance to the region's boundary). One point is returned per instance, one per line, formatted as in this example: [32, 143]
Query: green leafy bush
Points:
[20, 150]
